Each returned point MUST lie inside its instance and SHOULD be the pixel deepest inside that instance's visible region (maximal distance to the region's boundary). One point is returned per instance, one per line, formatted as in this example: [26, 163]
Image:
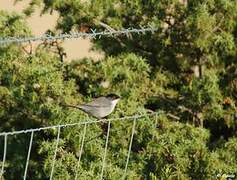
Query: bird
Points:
[100, 107]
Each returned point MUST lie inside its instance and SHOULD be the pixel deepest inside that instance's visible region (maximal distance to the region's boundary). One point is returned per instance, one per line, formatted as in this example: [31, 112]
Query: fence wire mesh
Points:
[33, 132]
[5, 136]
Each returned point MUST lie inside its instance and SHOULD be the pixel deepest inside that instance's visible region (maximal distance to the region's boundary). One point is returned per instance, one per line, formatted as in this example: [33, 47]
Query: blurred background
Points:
[39, 23]
[185, 71]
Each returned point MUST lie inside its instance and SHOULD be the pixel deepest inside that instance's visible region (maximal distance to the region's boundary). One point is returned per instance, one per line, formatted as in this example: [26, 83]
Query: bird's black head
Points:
[113, 96]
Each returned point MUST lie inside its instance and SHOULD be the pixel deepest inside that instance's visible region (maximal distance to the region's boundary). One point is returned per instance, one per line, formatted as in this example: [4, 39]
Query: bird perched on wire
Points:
[100, 107]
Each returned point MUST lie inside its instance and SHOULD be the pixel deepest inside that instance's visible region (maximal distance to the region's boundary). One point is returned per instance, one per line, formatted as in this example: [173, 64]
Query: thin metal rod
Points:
[28, 155]
[156, 119]
[105, 152]
[4, 155]
[55, 154]
[129, 149]
[81, 149]
[86, 121]
[153, 134]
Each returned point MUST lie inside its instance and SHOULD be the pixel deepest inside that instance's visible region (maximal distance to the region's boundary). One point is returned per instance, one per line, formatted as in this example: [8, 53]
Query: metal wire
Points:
[153, 134]
[28, 155]
[74, 35]
[55, 154]
[4, 155]
[155, 126]
[129, 149]
[82, 139]
[105, 152]
[81, 149]
[76, 124]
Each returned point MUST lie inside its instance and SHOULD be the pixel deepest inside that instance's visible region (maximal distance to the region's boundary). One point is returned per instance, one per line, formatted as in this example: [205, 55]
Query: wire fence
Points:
[73, 35]
[84, 123]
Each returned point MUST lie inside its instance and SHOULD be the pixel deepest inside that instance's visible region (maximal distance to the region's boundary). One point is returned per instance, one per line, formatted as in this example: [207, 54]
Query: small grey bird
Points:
[99, 107]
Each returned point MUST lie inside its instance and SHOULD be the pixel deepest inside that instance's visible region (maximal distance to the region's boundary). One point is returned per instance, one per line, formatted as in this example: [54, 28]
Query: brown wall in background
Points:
[75, 48]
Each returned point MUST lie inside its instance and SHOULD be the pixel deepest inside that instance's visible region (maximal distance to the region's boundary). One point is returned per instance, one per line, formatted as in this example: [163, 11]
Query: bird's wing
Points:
[72, 106]
[100, 102]
[96, 103]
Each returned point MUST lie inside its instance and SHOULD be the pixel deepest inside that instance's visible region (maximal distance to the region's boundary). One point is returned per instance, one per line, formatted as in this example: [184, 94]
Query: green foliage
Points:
[115, 75]
[186, 70]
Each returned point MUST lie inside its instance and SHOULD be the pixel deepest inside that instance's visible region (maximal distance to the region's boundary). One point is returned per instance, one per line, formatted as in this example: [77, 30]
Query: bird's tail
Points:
[72, 106]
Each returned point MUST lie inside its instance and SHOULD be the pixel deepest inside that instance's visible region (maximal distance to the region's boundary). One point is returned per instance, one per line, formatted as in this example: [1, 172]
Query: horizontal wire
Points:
[75, 124]
[74, 35]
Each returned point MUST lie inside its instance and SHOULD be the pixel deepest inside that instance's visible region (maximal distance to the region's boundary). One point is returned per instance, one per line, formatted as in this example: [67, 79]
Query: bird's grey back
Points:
[99, 107]
[100, 101]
